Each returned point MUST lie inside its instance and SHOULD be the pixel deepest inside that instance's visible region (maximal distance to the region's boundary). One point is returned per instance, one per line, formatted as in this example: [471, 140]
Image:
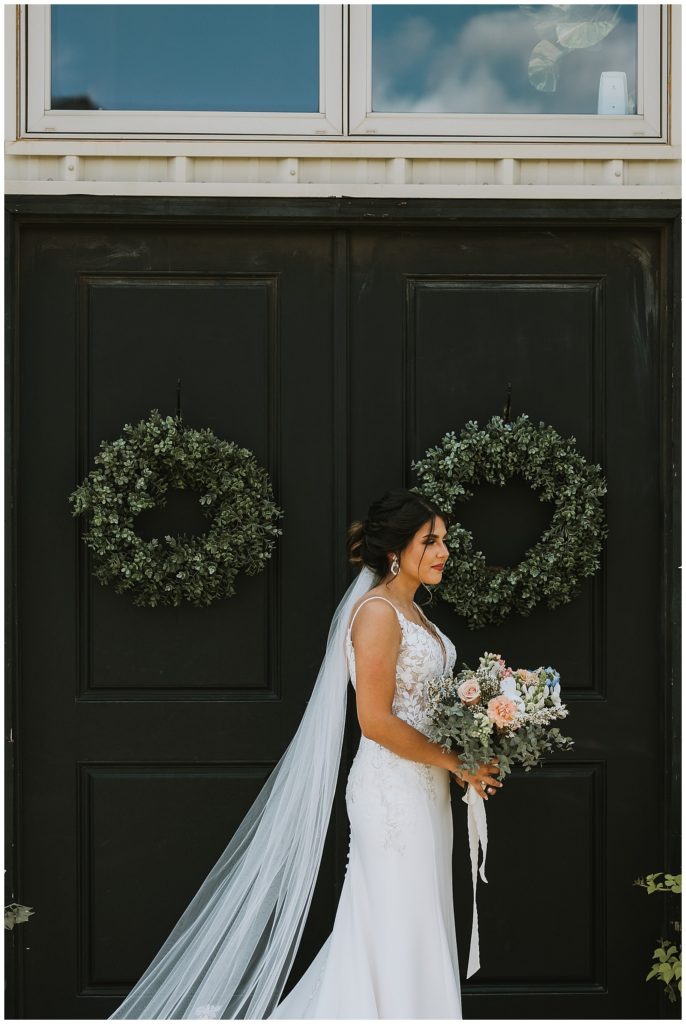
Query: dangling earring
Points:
[395, 566]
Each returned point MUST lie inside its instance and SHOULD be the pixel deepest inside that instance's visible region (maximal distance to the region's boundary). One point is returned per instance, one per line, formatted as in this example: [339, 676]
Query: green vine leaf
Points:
[17, 913]
[564, 27]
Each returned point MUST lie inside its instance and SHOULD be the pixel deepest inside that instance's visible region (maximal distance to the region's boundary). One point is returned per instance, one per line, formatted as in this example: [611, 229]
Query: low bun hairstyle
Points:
[391, 523]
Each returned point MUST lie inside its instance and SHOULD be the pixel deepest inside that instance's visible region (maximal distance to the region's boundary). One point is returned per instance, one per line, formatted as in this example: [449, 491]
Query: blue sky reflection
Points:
[229, 57]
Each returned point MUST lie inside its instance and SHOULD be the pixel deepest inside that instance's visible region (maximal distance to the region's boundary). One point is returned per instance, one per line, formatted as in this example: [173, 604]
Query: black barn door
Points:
[336, 341]
[572, 318]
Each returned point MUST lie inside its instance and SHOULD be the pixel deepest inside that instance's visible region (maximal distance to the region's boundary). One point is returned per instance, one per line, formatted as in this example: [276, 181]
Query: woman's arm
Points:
[403, 739]
[377, 637]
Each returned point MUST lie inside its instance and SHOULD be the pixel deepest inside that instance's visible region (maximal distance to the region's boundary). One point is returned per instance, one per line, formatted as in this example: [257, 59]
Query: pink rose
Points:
[501, 710]
[469, 691]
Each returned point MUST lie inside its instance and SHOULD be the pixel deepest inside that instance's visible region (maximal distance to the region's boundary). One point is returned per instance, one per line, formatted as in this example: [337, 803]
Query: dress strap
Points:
[374, 597]
[421, 611]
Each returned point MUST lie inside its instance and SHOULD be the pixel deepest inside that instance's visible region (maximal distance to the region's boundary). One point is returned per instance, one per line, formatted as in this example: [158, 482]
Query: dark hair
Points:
[391, 523]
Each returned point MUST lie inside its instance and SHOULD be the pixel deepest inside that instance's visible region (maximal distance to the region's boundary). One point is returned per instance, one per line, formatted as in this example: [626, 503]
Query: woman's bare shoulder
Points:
[376, 606]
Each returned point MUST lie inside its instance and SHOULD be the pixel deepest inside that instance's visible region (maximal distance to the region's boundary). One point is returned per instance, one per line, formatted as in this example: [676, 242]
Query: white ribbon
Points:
[476, 824]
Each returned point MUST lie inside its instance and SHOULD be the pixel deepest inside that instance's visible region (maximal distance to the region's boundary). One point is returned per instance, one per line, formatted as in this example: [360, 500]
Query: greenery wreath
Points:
[566, 552]
[135, 473]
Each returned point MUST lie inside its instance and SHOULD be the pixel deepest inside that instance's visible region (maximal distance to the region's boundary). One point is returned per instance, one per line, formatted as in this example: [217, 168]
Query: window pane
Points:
[504, 58]
[228, 57]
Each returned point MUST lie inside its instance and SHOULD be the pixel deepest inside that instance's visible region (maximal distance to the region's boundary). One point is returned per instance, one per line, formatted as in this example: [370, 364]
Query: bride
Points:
[392, 952]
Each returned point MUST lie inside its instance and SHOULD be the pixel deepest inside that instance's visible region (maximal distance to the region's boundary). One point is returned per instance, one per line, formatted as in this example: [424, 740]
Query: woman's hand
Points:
[481, 780]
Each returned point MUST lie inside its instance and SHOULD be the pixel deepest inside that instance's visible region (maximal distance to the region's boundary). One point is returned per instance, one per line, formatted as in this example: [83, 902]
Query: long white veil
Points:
[231, 951]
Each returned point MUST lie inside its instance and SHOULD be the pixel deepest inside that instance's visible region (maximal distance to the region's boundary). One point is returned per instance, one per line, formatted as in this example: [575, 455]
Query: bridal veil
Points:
[230, 953]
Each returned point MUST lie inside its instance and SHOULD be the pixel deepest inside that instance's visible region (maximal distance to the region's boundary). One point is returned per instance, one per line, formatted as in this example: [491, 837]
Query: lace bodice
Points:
[420, 658]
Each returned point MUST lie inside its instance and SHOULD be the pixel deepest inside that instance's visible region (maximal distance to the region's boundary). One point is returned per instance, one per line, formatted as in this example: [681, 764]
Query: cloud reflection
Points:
[456, 58]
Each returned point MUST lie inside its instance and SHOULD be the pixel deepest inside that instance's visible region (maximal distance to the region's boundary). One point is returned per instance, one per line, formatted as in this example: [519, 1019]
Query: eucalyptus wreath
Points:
[566, 552]
[134, 473]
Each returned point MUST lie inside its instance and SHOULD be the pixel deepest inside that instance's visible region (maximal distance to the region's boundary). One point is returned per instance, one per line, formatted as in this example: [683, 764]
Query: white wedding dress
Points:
[392, 952]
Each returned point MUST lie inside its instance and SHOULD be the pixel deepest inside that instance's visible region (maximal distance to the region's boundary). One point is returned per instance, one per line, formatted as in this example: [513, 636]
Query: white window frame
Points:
[166, 123]
[645, 123]
[346, 30]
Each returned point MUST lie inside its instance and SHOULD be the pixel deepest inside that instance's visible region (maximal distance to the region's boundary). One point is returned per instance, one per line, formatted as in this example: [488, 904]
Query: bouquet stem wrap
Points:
[478, 833]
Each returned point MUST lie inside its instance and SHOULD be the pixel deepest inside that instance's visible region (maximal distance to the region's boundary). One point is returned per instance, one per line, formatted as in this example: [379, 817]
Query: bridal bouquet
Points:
[497, 711]
[493, 712]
